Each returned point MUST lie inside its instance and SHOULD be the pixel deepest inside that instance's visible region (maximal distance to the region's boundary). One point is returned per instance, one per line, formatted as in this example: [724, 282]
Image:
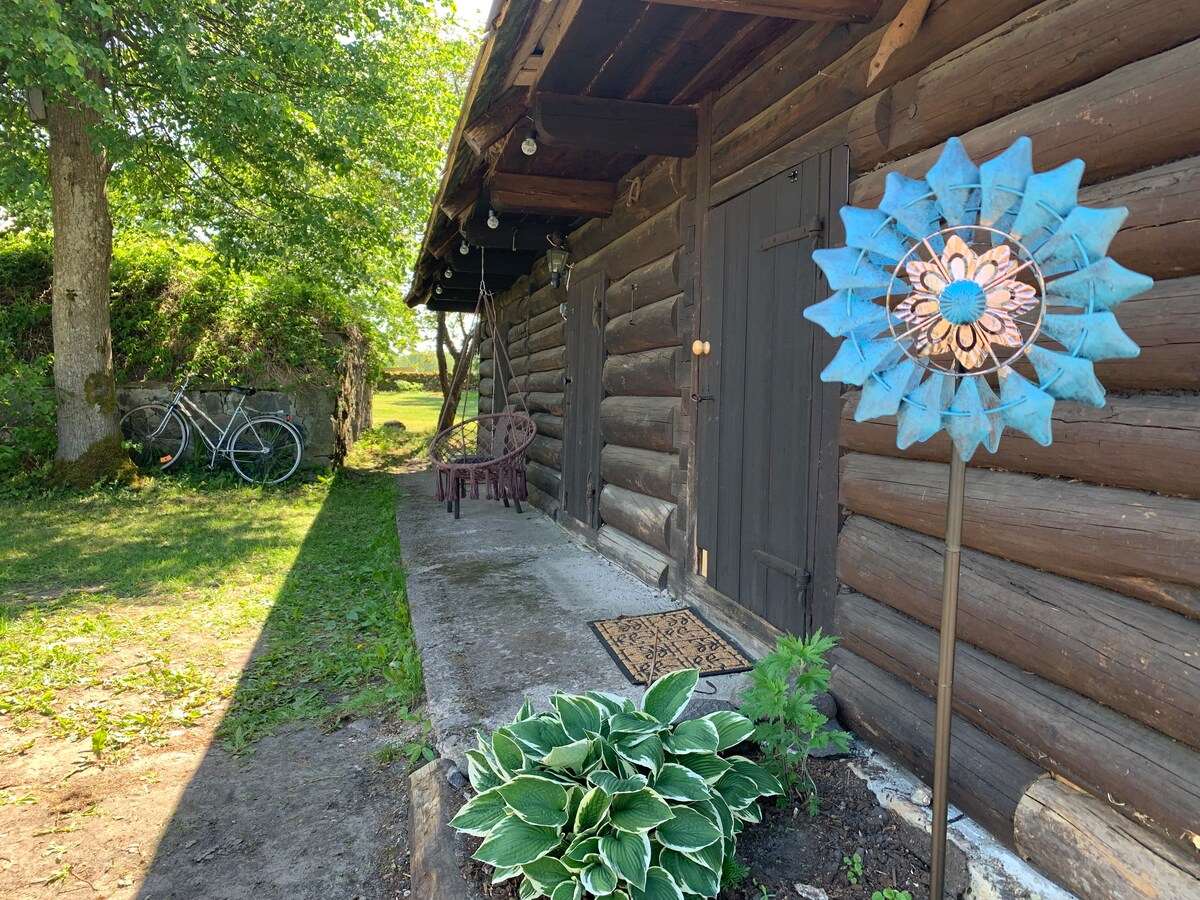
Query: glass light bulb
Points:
[493, 219]
[449, 273]
[529, 146]
[465, 248]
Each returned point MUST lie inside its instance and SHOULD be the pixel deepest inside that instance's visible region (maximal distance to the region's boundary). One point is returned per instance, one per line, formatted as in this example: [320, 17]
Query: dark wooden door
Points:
[584, 391]
[767, 441]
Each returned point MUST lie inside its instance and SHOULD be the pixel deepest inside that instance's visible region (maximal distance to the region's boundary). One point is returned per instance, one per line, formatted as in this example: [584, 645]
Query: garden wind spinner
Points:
[972, 300]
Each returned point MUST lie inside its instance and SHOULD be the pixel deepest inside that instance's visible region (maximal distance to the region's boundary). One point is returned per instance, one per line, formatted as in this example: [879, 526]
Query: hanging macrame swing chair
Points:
[485, 451]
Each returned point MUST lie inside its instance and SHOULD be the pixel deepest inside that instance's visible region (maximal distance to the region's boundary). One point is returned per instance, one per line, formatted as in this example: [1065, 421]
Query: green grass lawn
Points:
[418, 410]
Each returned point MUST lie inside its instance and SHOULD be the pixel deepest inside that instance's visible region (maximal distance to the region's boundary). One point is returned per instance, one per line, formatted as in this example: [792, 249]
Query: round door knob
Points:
[701, 348]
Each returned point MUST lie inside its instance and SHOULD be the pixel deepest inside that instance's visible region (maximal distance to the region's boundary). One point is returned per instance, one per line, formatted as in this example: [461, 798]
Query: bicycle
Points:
[262, 449]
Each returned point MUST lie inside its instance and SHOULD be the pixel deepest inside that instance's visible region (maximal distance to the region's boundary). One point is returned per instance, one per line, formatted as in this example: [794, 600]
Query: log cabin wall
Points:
[1080, 620]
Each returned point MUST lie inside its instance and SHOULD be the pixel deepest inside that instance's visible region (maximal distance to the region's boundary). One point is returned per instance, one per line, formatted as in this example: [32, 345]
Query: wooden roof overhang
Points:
[606, 84]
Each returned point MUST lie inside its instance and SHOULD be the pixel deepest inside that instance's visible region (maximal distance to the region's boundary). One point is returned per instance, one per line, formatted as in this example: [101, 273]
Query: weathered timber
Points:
[1147, 442]
[547, 451]
[548, 338]
[620, 126]
[809, 10]
[514, 192]
[486, 404]
[1132, 656]
[634, 556]
[487, 368]
[656, 325]
[507, 263]
[1091, 122]
[656, 281]
[488, 126]
[539, 499]
[1161, 237]
[529, 238]
[1165, 322]
[551, 426]
[1072, 42]
[657, 189]
[433, 866]
[987, 779]
[538, 381]
[840, 85]
[651, 240]
[1139, 544]
[646, 518]
[486, 350]
[550, 403]
[486, 387]
[543, 361]
[1082, 843]
[645, 422]
[646, 471]
[1140, 772]
[542, 477]
[545, 299]
[651, 373]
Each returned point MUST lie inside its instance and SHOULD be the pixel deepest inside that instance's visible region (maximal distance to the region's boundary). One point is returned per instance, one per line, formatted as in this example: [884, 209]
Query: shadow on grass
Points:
[290, 817]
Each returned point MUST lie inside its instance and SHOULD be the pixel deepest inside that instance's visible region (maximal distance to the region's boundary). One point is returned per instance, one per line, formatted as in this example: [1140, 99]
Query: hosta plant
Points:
[601, 797]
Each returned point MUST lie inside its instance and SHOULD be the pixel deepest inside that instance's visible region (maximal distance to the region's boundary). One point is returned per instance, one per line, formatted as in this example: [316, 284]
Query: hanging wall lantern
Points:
[556, 262]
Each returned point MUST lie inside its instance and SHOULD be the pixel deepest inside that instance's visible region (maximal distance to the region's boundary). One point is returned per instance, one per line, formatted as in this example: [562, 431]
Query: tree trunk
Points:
[459, 381]
[442, 340]
[89, 436]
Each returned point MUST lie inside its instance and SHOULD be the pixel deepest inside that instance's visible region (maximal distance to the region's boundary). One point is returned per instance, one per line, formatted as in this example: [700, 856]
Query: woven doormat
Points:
[653, 645]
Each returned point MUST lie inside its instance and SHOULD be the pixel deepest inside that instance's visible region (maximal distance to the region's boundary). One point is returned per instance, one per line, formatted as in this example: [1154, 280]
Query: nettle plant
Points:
[600, 798]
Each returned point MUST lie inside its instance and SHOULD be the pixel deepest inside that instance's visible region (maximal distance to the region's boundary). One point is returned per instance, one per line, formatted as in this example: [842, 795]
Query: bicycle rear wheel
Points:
[155, 435]
[266, 450]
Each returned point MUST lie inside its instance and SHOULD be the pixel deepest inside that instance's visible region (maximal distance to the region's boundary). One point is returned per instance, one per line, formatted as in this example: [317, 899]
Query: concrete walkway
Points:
[500, 606]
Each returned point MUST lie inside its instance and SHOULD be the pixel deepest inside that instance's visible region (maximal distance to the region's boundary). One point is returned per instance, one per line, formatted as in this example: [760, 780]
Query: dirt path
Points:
[308, 815]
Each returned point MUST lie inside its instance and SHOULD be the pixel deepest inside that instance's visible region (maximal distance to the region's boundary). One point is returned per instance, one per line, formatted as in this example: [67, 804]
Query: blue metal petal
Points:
[954, 169]
[1091, 335]
[1067, 377]
[1002, 180]
[911, 204]
[995, 420]
[1081, 240]
[920, 416]
[973, 425]
[1027, 407]
[847, 267]
[882, 392]
[846, 313]
[1049, 198]
[874, 230]
[855, 361]
[1101, 285]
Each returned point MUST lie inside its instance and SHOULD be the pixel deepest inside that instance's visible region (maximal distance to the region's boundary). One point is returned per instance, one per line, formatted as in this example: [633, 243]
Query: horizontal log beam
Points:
[808, 10]
[649, 472]
[501, 262]
[651, 373]
[1141, 772]
[633, 556]
[442, 304]
[574, 197]
[545, 402]
[616, 126]
[543, 478]
[1083, 844]
[1143, 545]
[551, 426]
[1146, 442]
[655, 281]
[645, 422]
[646, 518]
[1136, 658]
[485, 128]
[520, 238]
[653, 326]
[547, 451]
[987, 779]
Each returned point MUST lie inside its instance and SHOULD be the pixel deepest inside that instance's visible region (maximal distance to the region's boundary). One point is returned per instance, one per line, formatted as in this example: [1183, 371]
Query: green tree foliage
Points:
[303, 135]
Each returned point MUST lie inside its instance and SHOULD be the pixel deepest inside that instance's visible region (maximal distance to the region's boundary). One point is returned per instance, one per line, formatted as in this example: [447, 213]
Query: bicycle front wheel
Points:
[155, 435]
[266, 450]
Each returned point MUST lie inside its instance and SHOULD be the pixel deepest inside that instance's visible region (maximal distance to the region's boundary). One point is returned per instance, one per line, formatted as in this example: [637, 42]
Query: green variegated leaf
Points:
[481, 814]
[688, 830]
[526, 710]
[627, 854]
[766, 783]
[592, 808]
[580, 849]
[611, 784]
[674, 782]
[738, 792]
[612, 703]
[538, 736]
[751, 813]
[659, 886]
[624, 723]
[599, 880]
[499, 875]
[516, 843]
[708, 766]
[480, 772]
[547, 873]
[538, 801]
[668, 696]
[638, 812]
[574, 799]
[507, 753]
[695, 736]
[732, 728]
[529, 891]
[572, 756]
[568, 890]
[690, 875]
[646, 752]
[580, 715]
[718, 812]
[711, 857]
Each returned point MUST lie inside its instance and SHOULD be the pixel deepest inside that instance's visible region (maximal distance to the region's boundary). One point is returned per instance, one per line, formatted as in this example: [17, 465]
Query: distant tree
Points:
[302, 134]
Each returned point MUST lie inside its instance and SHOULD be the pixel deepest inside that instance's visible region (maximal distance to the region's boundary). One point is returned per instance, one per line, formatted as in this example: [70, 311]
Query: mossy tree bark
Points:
[89, 437]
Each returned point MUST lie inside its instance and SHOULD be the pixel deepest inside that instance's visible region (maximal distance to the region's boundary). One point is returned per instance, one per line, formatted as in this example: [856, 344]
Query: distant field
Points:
[418, 410]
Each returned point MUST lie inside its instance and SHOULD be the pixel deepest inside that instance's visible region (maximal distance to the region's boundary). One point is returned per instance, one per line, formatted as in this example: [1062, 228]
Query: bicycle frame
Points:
[191, 410]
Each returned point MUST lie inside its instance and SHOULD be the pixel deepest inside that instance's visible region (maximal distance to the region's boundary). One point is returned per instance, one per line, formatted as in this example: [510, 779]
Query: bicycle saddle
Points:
[244, 391]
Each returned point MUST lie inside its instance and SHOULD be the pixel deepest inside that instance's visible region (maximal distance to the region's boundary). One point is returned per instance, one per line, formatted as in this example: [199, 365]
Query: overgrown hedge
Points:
[175, 308]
